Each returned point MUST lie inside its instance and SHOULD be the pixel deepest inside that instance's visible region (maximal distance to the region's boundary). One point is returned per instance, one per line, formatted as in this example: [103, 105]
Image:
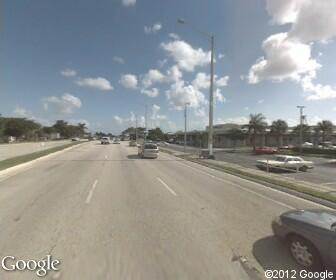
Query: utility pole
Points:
[136, 129]
[211, 99]
[210, 37]
[185, 126]
[301, 128]
[145, 136]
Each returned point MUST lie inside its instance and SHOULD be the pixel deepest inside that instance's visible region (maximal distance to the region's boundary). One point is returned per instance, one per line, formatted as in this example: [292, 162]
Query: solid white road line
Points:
[254, 192]
[167, 187]
[88, 199]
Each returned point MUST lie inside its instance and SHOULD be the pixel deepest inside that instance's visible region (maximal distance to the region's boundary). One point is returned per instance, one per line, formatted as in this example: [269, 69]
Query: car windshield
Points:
[162, 139]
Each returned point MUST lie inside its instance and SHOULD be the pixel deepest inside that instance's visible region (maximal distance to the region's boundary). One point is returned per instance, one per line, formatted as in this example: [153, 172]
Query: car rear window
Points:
[150, 146]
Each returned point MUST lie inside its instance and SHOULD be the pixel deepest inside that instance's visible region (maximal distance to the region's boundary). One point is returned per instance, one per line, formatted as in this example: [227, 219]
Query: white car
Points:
[285, 163]
[105, 140]
[307, 145]
[116, 141]
[148, 150]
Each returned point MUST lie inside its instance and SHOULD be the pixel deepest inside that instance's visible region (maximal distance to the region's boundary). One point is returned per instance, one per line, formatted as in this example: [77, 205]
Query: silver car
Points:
[148, 150]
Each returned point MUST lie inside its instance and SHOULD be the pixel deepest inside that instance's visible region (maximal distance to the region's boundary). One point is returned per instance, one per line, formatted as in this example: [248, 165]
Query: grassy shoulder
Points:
[10, 162]
[255, 176]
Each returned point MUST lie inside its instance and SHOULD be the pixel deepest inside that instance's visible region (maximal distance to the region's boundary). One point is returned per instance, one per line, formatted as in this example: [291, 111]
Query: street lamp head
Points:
[181, 21]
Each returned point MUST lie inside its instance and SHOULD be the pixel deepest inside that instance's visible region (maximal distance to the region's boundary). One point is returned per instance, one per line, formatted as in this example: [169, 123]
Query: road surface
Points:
[106, 214]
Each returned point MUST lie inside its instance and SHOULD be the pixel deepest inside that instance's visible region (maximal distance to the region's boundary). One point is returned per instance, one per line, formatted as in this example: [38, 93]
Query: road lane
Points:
[132, 227]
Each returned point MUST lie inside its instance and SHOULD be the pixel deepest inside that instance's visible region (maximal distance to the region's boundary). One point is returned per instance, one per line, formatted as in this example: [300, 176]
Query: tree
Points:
[326, 127]
[256, 124]
[235, 134]
[156, 134]
[19, 127]
[279, 128]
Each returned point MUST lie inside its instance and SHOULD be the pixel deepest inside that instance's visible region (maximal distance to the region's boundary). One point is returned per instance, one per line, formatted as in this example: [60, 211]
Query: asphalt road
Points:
[106, 214]
[323, 172]
[19, 149]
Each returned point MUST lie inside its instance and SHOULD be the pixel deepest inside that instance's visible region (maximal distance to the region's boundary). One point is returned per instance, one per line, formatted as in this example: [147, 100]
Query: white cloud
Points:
[66, 104]
[151, 77]
[288, 55]
[246, 108]
[219, 96]
[154, 92]
[128, 3]
[129, 81]
[68, 73]
[317, 91]
[220, 56]
[22, 113]
[260, 101]
[156, 118]
[180, 94]
[128, 121]
[173, 74]
[156, 27]
[174, 36]
[202, 81]
[221, 82]
[186, 57]
[118, 59]
[95, 83]
[162, 62]
[284, 59]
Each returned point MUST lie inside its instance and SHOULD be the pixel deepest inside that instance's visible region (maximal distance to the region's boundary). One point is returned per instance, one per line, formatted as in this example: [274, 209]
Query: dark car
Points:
[310, 236]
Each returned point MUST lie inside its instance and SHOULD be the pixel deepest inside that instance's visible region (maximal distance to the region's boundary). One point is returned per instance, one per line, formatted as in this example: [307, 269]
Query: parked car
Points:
[307, 145]
[310, 236]
[266, 150]
[105, 140]
[75, 139]
[163, 143]
[116, 141]
[132, 143]
[148, 150]
[285, 163]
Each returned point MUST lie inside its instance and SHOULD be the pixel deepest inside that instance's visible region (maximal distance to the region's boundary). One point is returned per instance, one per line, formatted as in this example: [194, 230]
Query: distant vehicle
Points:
[75, 139]
[287, 147]
[148, 150]
[285, 163]
[310, 236]
[132, 143]
[116, 141]
[163, 143]
[105, 140]
[307, 145]
[265, 150]
[328, 145]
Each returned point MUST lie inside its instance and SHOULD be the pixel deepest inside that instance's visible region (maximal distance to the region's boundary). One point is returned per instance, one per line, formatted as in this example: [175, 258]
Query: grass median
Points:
[254, 176]
[10, 162]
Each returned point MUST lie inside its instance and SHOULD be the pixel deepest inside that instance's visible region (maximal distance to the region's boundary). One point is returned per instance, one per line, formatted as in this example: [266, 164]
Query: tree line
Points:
[22, 128]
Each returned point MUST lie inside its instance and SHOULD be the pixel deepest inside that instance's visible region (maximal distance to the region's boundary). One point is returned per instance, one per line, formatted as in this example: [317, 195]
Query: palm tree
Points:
[256, 124]
[279, 128]
[326, 127]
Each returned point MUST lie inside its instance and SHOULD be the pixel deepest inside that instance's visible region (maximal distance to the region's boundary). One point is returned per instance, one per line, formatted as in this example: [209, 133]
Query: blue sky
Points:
[102, 61]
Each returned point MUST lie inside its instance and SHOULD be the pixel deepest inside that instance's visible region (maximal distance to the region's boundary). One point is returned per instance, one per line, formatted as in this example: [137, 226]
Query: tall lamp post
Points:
[185, 125]
[211, 38]
[301, 128]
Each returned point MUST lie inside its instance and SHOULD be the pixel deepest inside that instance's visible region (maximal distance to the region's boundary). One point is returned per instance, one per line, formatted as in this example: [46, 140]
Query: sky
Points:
[104, 62]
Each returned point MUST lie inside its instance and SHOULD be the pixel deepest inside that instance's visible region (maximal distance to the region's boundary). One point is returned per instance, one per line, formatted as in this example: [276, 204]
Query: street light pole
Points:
[211, 99]
[301, 128]
[211, 95]
[136, 129]
[185, 126]
[145, 136]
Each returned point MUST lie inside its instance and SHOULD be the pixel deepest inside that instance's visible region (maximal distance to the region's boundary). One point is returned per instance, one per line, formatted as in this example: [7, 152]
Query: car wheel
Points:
[304, 253]
[304, 168]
